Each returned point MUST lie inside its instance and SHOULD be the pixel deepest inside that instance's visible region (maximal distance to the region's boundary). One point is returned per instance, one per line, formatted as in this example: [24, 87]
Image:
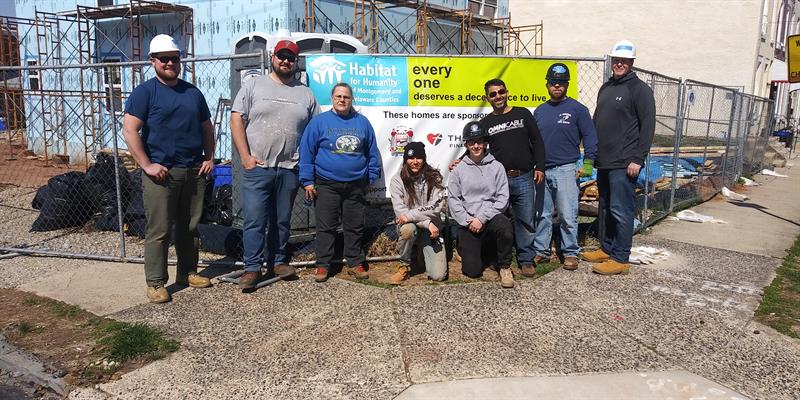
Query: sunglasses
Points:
[556, 82]
[286, 57]
[499, 92]
[166, 59]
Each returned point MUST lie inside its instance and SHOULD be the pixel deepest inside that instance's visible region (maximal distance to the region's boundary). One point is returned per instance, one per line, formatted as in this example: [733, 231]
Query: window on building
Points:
[33, 76]
[112, 83]
[484, 8]
[101, 3]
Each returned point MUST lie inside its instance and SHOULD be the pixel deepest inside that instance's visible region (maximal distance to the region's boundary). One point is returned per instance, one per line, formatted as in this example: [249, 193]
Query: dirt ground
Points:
[20, 167]
[61, 335]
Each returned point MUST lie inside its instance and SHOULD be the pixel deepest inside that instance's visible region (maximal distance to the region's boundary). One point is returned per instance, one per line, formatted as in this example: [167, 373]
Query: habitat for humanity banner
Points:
[426, 99]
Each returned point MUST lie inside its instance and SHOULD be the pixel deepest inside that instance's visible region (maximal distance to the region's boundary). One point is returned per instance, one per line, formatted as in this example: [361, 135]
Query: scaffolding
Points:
[373, 28]
[75, 37]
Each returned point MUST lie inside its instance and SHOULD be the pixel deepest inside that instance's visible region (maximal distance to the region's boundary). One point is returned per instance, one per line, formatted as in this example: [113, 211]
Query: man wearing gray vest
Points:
[268, 117]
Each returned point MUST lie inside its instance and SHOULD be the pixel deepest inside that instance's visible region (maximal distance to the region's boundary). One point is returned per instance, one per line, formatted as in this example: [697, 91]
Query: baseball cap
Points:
[287, 45]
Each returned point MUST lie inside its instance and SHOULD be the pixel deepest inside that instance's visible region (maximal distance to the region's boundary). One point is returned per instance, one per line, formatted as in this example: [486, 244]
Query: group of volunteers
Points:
[518, 172]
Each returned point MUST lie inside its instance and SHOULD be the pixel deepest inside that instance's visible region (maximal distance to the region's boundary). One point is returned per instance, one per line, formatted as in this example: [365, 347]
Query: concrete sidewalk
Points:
[680, 329]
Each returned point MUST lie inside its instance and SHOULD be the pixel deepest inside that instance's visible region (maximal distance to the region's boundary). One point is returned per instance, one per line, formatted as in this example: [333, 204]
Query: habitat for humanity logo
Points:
[327, 70]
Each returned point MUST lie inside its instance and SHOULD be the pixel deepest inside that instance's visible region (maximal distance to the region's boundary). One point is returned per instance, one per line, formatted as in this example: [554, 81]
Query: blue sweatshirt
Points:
[337, 148]
[563, 125]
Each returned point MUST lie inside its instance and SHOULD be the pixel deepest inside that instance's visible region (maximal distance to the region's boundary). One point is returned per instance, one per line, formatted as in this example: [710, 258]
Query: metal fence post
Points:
[677, 142]
[728, 140]
[120, 211]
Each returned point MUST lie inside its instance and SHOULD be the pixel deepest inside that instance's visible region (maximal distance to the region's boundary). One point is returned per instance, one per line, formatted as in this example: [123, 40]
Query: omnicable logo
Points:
[327, 70]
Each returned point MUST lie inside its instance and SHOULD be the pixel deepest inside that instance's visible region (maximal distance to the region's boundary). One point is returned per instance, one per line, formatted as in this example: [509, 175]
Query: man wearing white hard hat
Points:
[625, 119]
[167, 126]
[268, 117]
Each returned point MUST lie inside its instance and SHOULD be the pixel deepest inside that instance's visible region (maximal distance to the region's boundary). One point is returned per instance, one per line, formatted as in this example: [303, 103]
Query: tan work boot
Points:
[570, 263]
[611, 267]
[402, 274]
[595, 256]
[158, 294]
[194, 280]
[528, 270]
[506, 278]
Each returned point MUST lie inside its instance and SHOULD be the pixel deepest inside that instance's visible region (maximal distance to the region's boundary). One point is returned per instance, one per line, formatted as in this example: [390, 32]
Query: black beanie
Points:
[414, 149]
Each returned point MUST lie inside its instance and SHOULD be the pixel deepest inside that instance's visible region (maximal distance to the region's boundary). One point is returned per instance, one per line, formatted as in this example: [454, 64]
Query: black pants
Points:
[497, 229]
[335, 201]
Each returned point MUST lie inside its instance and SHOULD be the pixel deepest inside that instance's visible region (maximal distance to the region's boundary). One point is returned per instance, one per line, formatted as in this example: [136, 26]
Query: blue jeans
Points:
[560, 192]
[267, 198]
[522, 191]
[432, 250]
[616, 212]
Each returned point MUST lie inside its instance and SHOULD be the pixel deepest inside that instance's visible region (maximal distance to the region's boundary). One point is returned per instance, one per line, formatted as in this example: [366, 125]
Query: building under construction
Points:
[67, 113]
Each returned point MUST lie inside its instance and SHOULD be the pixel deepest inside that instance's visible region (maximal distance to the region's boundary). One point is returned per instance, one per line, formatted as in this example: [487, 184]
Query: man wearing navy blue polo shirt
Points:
[564, 124]
[175, 149]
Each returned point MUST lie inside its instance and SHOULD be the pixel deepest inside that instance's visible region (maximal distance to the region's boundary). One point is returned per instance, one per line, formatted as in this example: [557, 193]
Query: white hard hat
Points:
[162, 43]
[623, 49]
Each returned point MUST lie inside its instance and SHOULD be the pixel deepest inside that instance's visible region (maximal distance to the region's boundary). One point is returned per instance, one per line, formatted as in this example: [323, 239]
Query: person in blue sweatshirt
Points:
[339, 159]
[564, 123]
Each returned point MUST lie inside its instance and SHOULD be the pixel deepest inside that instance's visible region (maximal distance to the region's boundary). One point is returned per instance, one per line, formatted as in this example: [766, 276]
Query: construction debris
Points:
[731, 195]
[773, 173]
[692, 216]
[648, 255]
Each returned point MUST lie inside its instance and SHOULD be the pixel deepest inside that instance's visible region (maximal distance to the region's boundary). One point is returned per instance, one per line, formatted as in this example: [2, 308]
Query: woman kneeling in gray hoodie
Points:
[477, 197]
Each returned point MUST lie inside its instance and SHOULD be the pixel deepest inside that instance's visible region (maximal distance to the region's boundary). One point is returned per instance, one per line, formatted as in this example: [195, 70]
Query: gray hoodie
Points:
[423, 214]
[477, 190]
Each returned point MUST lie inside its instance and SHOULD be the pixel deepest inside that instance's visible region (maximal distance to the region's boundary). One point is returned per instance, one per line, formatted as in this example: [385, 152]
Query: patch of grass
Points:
[126, 341]
[780, 305]
[369, 282]
[64, 310]
[546, 268]
[26, 327]
[32, 301]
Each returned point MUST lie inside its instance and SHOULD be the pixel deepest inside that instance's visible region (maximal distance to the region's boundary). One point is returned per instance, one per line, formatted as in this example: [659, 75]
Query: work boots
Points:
[359, 272]
[595, 256]
[506, 278]
[528, 270]
[158, 294]
[194, 280]
[611, 267]
[570, 263]
[249, 279]
[402, 274]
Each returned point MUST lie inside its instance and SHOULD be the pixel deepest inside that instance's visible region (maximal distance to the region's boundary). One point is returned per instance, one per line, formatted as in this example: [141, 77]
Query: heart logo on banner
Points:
[434, 138]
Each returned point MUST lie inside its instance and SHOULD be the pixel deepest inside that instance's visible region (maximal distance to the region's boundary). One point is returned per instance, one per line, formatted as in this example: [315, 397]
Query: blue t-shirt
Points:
[173, 115]
[563, 125]
[337, 148]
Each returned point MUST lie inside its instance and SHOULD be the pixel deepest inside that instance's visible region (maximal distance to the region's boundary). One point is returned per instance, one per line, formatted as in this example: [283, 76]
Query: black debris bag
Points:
[102, 190]
[41, 196]
[63, 204]
[134, 214]
[219, 209]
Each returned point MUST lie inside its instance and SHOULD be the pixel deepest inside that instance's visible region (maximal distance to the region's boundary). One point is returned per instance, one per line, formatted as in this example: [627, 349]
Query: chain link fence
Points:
[68, 189]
